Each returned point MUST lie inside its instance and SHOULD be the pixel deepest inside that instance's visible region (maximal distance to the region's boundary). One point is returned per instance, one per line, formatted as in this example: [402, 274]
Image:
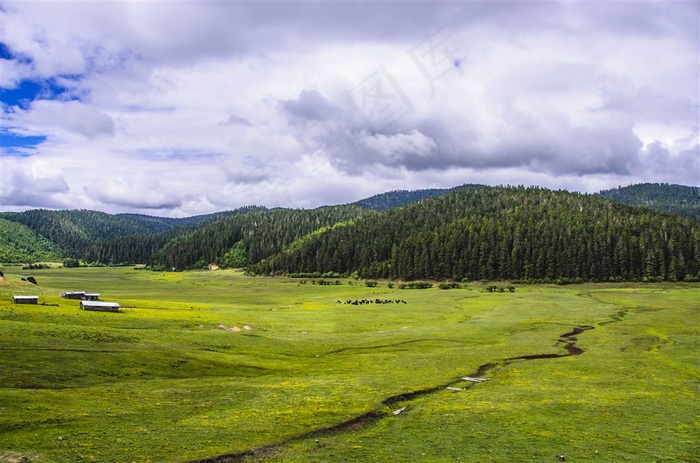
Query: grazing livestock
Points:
[373, 301]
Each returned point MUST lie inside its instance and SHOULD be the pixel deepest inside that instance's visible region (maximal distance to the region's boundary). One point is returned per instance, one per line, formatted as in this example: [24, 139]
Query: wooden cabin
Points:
[99, 306]
[73, 294]
[25, 299]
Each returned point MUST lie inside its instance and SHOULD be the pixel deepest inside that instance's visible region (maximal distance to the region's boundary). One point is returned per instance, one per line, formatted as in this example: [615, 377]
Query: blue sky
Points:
[183, 108]
[14, 141]
[21, 94]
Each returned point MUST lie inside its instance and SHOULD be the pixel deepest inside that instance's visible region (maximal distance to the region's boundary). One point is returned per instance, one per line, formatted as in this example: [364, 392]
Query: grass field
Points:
[199, 365]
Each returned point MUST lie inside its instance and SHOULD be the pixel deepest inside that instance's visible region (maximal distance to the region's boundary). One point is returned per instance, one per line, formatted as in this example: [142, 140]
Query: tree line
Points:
[503, 233]
[467, 233]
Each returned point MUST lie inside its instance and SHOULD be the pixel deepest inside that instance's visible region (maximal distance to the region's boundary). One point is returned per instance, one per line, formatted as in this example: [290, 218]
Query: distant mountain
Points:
[74, 231]
[140, 248]
[676, 199]
[195, 219]
[398, 198]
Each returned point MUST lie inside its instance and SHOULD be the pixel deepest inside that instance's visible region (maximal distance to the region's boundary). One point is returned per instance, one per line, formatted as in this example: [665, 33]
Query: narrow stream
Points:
[567, 341]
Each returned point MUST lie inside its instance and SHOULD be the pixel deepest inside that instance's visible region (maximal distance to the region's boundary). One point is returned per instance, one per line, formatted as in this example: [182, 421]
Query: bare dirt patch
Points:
[229, 328]
[13, 457]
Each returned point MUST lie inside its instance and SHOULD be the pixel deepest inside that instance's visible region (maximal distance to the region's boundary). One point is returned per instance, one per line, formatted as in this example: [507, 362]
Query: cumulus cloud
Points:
[310, 105]
[13, 72]
[403, 148]
[32, 183]
[139, 191]
[194, 107]
[58, 117]
[236, 120]
[669, 165]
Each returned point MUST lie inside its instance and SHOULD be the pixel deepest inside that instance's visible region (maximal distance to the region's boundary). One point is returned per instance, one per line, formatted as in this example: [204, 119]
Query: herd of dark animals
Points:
[372, 301]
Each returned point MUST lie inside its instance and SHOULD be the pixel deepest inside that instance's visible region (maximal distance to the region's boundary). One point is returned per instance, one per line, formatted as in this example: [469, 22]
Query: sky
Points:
[183, 108]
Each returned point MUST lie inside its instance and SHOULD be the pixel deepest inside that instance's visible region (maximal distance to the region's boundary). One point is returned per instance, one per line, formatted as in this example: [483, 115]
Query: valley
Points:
[598, 372]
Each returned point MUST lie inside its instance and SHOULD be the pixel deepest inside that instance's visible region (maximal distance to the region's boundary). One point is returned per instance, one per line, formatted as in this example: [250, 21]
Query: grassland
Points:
[213, 363]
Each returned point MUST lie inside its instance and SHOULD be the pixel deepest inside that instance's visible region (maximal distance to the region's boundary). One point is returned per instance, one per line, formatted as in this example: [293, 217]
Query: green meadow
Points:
[217, 366]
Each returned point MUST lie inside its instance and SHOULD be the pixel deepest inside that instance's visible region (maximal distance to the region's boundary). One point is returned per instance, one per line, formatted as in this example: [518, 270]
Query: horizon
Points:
[352, 202]
[176, 109]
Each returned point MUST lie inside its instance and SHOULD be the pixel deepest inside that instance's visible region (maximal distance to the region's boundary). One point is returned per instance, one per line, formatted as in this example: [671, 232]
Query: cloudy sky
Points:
[182, 108]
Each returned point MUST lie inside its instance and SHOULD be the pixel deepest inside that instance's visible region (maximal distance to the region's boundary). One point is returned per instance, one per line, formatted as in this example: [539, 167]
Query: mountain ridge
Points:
[678, 199]
[504, 233]
[255, 237]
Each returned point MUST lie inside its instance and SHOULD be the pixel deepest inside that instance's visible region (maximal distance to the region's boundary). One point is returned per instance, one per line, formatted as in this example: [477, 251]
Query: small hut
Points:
[25, 299]
[73, 294]
[99, 306]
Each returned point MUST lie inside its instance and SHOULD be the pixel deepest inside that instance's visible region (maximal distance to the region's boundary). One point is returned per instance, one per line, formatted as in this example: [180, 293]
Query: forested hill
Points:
[502, 233]
[468, 232]
[19, 243]
[243, 239]
[141, 247]
[398, 198]
[71, 232]
[677, 199]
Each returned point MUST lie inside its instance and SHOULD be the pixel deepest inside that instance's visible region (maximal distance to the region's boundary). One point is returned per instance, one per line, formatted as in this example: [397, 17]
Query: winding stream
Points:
[567, 341]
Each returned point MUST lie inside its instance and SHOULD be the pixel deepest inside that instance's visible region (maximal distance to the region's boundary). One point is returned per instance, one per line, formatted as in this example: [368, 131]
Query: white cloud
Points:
[187, 108]
[140, 191]
[398, 148]
[13, 73]
[33, 183]
[59, 117]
